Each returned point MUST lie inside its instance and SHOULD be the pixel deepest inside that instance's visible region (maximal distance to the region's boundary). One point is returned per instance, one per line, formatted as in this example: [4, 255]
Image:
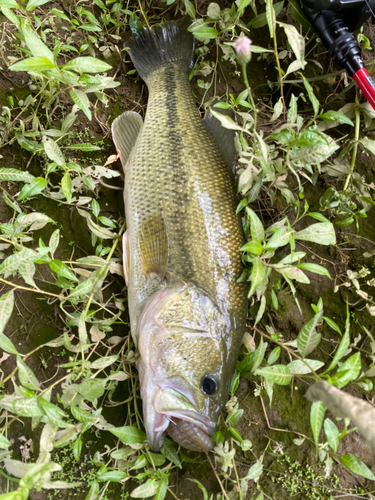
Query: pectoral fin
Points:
[125, 131]
[153, 246]
[223, 136]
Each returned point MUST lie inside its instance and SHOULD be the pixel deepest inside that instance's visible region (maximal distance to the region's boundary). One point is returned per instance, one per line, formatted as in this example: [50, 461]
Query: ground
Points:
[290, 469]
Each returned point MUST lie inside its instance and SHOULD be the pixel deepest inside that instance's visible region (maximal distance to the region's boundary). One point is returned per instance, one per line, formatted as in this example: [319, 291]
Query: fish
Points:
[181, 247]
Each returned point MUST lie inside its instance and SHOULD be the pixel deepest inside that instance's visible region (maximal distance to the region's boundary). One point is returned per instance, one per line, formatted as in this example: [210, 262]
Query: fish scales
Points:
[176, 172]
[187, 310]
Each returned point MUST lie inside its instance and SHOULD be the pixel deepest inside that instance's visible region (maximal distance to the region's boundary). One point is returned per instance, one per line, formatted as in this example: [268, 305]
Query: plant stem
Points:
[252, 102]
[18, 287]
[355, 147]
[217, 477]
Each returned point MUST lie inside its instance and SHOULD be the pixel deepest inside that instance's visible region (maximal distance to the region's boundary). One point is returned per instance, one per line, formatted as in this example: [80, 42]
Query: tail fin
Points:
[150, 49]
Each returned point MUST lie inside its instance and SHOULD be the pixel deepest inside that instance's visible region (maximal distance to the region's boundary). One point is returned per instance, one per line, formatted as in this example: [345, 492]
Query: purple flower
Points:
[242, 48]
[242, 45]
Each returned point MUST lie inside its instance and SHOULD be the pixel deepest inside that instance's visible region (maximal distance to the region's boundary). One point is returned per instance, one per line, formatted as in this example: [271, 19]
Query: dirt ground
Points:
[271, 429]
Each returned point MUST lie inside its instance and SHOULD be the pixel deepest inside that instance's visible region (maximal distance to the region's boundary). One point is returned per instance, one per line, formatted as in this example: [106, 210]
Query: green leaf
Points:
[226, 121]
[11, 16]
[332, 434]
[213, 11]
[256, 226]
[26, 376]
[274, 355]
[298, 367]
[27, 271]
[102, 363]
[169, 450]
[190, 10]
[92, 389]
[54, 241]
[332, 325]
[12, 174]
[80, 290]
[62, 269]
[162, 489]
[7, 345]
[254, 247]
[251, 362]
[357, 466]
[280, 238]
[315, 268]
[258, 273]
[205, 32]
[145, 490]
[33, 64]
[322, 233]
[333, 116]
[83, 415]
[368, 144]
[54, 414]
[21, 406]
[77, 448]
[86, 65]
[292, 257]
[36, 46]
[112, 475]
[38, 185]
[255, 471]
[82, 101]
[293, 273]
[308, 338]
[53, 151]
[6, 309]
[83, 147]
[12, 263]
[316, 418]
[313, 99]
[261, 20]
[129, 434]
[278, 374]
[348, 371]
[200, 486]
[4, 444]
[10, 4]
[93, 493]
[31, 4]
[66, 186]
[343, 347]
[318, 216]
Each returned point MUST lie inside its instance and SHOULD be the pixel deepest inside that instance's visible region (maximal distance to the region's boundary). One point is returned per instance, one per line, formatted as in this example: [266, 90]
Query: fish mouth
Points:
[175, 414]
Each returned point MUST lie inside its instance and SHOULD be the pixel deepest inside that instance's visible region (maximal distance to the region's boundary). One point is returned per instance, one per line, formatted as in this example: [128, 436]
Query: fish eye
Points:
[209, 385]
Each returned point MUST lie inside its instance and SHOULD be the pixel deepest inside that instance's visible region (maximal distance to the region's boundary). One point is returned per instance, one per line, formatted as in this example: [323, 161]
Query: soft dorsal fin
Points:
[125, 131]
[223, 136]
[153, 245]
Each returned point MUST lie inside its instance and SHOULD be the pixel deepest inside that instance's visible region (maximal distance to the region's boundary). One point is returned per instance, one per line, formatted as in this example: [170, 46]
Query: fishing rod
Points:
[334, 21]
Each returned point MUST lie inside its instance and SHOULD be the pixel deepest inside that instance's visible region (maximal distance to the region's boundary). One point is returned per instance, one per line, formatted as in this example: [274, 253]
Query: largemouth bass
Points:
[181, 247]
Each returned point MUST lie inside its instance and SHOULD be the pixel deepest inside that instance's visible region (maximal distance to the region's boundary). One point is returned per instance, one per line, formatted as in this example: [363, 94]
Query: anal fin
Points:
[223, 136]
[125, 131]
[153, 246]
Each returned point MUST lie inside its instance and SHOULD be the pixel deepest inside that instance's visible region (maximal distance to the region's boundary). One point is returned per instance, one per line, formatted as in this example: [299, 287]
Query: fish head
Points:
[183, 384]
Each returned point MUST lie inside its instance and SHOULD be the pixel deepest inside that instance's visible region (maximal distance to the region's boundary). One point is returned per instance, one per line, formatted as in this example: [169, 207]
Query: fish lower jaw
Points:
[190, 436]
[192, 432]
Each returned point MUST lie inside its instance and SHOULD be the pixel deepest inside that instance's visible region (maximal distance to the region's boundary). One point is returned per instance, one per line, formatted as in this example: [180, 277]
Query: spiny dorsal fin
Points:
[125, 130]
[223, 136]
[153, 245]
